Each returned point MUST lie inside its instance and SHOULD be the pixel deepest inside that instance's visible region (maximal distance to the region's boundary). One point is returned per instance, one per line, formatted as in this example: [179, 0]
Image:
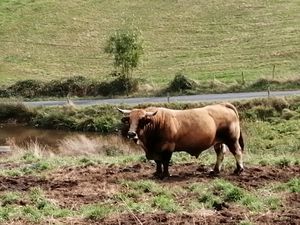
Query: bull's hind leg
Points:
[220, 150]
[236, 150]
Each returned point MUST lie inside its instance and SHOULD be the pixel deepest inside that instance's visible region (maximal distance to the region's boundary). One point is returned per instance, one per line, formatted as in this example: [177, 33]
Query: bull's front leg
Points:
[158, 172]
[166, 157]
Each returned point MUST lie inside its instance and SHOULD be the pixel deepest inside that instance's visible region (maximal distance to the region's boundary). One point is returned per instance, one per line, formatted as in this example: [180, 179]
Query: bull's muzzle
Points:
[132, 135]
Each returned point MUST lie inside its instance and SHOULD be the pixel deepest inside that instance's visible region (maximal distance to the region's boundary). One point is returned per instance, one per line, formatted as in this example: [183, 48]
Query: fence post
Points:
[243, 79]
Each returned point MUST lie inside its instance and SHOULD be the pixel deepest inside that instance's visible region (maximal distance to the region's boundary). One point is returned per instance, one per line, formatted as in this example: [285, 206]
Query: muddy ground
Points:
[72, 187]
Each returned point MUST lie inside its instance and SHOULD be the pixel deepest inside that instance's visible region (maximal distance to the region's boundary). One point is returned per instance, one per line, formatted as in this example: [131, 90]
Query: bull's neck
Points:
[154, 130]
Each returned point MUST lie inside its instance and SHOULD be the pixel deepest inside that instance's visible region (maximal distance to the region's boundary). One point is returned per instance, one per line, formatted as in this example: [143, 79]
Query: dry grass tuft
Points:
[33, 147]
[106, 145]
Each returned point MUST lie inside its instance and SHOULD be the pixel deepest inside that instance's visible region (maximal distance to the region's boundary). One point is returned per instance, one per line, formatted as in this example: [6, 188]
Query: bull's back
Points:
[197, 129]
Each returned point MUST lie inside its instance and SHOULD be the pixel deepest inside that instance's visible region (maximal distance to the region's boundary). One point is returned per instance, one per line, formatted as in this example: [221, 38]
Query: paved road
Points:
[188, 98]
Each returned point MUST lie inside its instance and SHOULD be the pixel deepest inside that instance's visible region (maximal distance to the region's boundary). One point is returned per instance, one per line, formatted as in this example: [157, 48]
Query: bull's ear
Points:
[149, 114]
[148, 118]
[145, 120]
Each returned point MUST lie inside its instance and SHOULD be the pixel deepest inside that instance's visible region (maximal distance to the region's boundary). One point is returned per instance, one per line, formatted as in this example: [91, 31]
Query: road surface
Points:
[173, 99]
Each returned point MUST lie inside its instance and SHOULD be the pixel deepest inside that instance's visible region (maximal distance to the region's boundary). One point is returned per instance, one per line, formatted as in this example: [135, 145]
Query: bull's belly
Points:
[193, 150]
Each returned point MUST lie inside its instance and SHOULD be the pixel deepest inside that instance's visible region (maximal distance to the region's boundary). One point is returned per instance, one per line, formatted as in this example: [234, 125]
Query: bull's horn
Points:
[151, 113]
[124, 111]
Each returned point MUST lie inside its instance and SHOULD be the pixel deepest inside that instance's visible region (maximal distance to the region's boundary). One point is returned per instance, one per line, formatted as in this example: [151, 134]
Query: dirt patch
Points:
[166, 219]
[21, 183]
[293, 200]
[284, 217]
[72, 187]
[84, 185]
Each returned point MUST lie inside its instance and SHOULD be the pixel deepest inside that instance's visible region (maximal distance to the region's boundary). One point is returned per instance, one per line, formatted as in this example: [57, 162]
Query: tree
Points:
[126, 47]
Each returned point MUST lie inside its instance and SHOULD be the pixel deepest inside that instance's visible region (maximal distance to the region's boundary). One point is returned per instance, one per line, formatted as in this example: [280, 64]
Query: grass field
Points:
[51, 39]
[76, 187]
[108, 180]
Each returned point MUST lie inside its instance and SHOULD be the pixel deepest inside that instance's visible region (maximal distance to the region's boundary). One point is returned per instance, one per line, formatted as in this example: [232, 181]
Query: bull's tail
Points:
[241, 141]
[232, 107]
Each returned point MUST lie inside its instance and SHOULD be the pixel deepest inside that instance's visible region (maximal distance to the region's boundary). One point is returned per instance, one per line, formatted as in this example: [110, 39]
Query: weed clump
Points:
[97, 211]
[165, 203]
[261, 113]
[288, 114]
[294, 185]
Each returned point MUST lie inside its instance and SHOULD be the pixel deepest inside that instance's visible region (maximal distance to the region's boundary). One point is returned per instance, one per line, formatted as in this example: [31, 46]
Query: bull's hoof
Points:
[214, 173]
[157, 174]
[238, 171]
[161, 176]
[165, 176]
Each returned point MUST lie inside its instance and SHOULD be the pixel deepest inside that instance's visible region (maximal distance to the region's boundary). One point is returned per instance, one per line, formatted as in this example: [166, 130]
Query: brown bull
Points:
[162, 131]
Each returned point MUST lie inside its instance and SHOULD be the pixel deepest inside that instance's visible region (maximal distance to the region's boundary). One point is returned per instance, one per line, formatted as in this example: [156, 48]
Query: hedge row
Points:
[81, 86]
[77, 86]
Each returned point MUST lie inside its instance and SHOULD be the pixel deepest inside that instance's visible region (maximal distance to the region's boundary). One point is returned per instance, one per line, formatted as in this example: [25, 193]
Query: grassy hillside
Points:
[50, 39]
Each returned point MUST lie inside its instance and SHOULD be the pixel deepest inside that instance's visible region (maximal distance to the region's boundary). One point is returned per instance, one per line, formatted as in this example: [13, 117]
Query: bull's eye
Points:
[125, 120]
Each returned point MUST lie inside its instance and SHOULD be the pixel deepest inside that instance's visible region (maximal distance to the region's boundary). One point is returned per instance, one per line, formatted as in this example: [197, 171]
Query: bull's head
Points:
[136, 120]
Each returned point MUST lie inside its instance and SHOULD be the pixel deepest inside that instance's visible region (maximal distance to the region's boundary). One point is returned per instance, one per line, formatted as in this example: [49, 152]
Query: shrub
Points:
[54, 120]
[123, 85]
[4, 93]
[26, 88]
[106, 124]
[261, 84]
[119, 86]
[181, 82]
[77, 85]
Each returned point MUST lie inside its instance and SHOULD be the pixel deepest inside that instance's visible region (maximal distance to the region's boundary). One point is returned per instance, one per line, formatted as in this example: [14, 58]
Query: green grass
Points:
[165, 203]
[224, 192]
[53, 39]
[273, 137]
[10, 198]
[35, 206]
[96, 211]
[292, 186]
